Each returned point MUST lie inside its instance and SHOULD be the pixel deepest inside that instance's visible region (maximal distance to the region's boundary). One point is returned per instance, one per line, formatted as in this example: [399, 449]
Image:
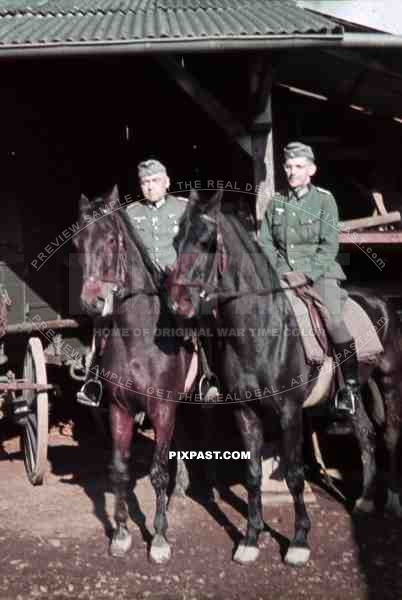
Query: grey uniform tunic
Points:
[302, 235]
[157, 225]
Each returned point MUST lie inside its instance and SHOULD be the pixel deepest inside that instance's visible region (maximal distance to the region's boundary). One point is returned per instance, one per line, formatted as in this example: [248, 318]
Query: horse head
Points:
[102, 253]
[193, 280]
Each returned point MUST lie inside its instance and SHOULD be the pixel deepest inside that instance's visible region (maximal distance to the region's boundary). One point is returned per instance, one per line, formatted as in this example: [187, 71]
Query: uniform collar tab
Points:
[156, 205]
[298, 193]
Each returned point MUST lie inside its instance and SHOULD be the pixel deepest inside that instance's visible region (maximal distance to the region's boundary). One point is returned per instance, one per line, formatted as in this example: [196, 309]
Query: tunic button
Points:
[156, 249]
[157, 239]
[292, 245]
[292, 261]
[293, 214]
[292, 229]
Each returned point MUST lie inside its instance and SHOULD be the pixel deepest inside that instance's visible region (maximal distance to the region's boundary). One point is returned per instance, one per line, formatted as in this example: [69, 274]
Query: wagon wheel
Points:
[35, 433]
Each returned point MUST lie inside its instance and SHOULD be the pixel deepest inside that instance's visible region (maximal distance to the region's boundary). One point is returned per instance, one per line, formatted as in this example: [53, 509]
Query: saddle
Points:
[311, 315]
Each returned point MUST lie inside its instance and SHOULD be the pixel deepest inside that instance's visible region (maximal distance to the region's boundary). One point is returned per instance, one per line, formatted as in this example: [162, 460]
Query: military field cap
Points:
[298, 150]
[150, 167]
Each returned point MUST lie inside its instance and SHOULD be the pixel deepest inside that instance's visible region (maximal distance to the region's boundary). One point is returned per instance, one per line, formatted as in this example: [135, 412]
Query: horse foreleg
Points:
[298, 552]
[365, 435]
[122, 433]
[160, 551]
[252, 434]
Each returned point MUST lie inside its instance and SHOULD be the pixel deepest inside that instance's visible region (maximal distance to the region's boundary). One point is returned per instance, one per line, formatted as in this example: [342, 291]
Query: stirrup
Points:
[208, 388]
[94, 399]
[346, 399]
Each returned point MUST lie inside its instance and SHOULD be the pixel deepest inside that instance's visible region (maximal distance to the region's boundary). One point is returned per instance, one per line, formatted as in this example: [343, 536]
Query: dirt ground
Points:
[54, 539]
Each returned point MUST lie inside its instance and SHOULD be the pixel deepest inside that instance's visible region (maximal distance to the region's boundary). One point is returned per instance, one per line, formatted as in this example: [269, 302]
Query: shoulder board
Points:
[323, 191]
[182, 198]
[134, 205]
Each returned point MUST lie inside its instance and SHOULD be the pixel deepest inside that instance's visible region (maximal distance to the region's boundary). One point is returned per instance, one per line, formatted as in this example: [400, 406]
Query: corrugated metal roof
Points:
[44, 22]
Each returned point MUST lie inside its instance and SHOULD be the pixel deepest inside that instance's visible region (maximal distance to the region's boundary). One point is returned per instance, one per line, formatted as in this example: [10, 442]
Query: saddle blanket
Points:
[368, 344]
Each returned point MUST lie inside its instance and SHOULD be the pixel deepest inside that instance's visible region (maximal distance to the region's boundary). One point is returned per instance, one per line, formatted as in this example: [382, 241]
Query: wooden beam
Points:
[207, 101]
[374, 237]
[384, 219]
[379, 202]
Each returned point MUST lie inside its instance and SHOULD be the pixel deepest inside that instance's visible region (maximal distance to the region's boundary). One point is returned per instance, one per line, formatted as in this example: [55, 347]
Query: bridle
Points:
[209, 292]
[115, 284]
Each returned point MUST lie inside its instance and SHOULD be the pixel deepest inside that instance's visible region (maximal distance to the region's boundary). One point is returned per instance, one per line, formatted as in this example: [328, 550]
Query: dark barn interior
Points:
[72, 126]
[80, 125]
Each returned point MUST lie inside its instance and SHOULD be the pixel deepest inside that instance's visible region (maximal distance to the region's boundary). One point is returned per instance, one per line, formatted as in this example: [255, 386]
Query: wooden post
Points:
[263, 162]
[262, 76]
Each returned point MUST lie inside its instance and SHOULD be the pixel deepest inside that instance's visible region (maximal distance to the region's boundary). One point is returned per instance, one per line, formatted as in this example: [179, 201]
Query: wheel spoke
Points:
[35, 434]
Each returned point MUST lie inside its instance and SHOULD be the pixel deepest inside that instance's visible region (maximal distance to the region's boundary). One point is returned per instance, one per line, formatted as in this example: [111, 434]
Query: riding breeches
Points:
[334, 298]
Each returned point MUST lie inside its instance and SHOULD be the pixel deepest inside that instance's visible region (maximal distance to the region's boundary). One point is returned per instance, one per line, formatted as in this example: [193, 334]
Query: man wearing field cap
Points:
[156, 217]
[299, 234]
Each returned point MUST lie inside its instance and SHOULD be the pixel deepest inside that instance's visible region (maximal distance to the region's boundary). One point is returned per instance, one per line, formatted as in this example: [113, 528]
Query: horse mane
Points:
[265, 271]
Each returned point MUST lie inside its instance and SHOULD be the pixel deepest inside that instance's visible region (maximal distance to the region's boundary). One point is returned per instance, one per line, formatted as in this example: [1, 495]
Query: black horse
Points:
[140, 369]
[263, 371]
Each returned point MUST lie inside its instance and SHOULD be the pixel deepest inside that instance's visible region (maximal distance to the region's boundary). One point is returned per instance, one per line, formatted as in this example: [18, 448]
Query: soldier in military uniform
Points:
[156, 218]
[299, 234]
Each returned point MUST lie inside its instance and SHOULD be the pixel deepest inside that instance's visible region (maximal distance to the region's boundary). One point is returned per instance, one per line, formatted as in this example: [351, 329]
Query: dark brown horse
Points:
[263, 371]
[140, 369]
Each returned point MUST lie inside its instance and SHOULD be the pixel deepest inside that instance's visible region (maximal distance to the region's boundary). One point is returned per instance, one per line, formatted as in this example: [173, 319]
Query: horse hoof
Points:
[296, 556]
[246, 554]
[393, 505]
[121, 543]
[160, 550]
[364, 506]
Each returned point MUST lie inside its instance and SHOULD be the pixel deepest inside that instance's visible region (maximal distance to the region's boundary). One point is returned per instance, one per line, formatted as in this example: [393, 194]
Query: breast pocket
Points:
[139, 224]
[310, 226]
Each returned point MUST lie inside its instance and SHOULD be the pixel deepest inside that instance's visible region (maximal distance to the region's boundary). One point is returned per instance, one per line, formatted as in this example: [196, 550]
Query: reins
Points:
[208, 292]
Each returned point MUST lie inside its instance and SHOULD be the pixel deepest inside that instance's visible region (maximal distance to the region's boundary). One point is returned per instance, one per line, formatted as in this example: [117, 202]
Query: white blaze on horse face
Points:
[154, 187]
[299, 171]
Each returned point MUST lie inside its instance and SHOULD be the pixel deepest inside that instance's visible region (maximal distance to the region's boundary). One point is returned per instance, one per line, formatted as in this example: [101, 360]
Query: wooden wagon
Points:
[35, 329]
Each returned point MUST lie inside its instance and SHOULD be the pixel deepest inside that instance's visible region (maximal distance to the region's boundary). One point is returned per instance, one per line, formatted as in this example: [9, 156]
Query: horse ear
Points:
[205, 204]
[194, 197]
[214, 203]
[114, 194]
[84, 204]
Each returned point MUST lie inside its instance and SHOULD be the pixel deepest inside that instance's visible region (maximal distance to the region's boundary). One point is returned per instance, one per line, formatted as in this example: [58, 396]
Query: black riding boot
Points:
[348, 397]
